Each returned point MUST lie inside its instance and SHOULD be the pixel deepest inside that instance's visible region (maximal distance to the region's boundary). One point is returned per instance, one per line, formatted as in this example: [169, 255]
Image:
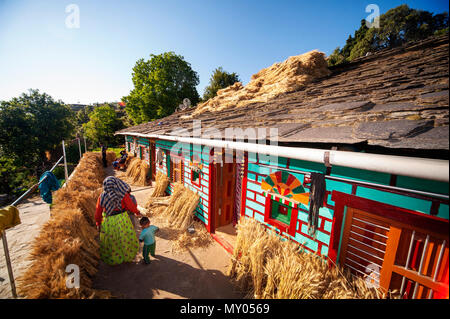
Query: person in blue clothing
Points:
[50, 184]
[148, 237]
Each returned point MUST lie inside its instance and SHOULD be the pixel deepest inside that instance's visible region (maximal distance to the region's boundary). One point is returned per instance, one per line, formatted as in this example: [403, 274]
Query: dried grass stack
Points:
[180, 212]
[69, 237]
[161, 183]
[66, 239]
[137, 171]
[266, 267]
[185, 240]
[290, 75]
[174, 214]
[110, 157]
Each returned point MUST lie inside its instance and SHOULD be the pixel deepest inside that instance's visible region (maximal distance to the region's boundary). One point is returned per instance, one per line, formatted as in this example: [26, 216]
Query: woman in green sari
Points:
[118, 240]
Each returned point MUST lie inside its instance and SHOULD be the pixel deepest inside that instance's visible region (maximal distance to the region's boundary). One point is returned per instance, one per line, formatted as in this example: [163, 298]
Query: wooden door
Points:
[410, 257]
[153, 159]
[225, 193]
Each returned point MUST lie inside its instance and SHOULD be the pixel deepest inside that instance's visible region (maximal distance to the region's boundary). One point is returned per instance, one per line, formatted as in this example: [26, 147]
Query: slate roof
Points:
[396, 98]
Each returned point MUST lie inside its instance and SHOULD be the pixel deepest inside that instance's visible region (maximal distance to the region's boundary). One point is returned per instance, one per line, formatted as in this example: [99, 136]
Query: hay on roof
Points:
[290, 75]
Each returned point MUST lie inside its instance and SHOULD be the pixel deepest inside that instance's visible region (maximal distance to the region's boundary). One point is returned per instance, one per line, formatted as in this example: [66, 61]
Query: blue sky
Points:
[93, 63]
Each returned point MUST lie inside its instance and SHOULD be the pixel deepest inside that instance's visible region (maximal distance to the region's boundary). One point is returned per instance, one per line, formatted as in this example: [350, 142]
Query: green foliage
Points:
[220, 79]
[397, 26]
[59, 172]
[116, 150]
[103, 123]
[14, 179]
[32, 124]
[160, 85]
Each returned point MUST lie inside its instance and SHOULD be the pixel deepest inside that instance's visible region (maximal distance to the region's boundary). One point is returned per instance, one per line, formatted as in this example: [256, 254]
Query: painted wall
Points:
[255, 199]
[203, 187]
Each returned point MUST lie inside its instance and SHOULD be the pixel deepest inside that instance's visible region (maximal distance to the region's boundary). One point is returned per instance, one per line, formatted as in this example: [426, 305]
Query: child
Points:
[148, 237]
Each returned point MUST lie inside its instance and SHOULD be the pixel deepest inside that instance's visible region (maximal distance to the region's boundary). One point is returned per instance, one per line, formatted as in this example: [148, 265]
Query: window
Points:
[176, 169]
[196, 169]
[281, 213]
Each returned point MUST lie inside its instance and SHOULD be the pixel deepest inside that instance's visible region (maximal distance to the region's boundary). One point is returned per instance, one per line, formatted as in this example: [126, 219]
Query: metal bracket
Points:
[326, 161]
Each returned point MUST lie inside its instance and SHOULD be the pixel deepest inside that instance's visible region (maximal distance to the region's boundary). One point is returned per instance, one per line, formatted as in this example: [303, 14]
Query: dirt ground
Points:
[34, 212]
[192, 274]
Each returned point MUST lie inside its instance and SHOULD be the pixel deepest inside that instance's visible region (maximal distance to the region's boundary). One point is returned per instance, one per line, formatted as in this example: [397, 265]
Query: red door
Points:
[225, 176]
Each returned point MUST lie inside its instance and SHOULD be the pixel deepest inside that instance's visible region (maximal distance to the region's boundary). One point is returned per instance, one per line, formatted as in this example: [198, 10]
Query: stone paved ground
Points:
[195, 273]
[192, 274]
[34, 212]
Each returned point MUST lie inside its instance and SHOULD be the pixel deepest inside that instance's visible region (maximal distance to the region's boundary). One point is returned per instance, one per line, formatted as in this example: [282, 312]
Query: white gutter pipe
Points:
[432, 169]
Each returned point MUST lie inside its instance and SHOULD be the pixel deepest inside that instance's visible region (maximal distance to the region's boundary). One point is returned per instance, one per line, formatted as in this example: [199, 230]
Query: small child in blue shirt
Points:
[148, 237]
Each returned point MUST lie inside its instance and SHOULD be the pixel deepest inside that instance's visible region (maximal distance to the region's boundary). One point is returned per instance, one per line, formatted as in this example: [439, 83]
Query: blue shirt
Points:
[148, 235]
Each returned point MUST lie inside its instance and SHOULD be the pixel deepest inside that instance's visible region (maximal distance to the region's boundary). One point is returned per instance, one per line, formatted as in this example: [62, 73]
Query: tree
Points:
[103, 122]
[220, 79]
[14, 179]
[32, 124]
[160, 85]
[397, 26]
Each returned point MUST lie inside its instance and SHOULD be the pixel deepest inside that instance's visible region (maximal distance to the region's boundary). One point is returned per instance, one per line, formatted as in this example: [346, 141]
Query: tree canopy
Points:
[220, 79]
[396, 27]
[103, 122]
[160, 85]
[32, 124]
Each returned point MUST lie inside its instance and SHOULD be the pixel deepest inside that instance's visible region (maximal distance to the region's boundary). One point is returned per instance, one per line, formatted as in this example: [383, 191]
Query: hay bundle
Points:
[84, 187]
[267, 267]
[174, 214]
[110, 157]
[161, 183]
[137, 171]
[290, 75]
[66, 239]
[69, 237]
[185, 240]
[180, 212]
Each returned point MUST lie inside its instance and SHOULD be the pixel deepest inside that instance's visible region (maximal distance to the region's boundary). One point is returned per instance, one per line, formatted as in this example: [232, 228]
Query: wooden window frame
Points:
[282, 227]
[399, 219]
[172, 168]
[198, 184]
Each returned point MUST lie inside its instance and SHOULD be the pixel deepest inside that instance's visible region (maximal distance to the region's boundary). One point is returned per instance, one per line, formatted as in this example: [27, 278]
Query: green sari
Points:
[118, 240]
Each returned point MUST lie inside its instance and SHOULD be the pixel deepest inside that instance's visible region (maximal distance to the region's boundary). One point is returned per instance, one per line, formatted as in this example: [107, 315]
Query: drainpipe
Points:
[431, 169]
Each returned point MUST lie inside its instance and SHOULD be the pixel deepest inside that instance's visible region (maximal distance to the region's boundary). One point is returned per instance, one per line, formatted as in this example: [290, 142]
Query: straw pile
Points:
[161, 183]
[136, 173]
[69, 237]
[290, 75]
[110, 157]
[268, 268]
[174, 215]
[180, 212]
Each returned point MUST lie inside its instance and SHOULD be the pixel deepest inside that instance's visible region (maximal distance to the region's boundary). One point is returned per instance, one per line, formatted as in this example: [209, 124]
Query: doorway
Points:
[224, 202]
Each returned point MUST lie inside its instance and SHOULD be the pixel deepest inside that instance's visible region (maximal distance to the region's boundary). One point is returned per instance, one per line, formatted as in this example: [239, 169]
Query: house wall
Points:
[255, 200]
[203, 189]
[131, 142]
